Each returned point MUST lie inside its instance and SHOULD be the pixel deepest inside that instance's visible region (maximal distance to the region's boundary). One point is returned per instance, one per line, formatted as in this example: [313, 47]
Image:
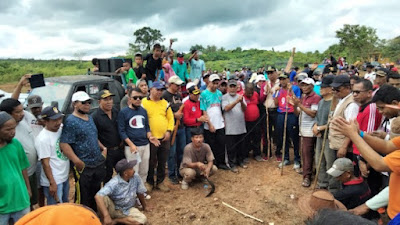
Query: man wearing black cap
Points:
[14, 183]
[282, 100]
[54, 175]
[180, 68]
[324, 105]
[105, 118]
[370, 75]
[116, 200]
[346, 108]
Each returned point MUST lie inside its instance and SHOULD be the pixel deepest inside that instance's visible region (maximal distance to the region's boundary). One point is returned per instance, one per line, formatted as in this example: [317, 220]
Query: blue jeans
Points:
[176, 153]
[62, 193]
[292, 132]
[15, 216]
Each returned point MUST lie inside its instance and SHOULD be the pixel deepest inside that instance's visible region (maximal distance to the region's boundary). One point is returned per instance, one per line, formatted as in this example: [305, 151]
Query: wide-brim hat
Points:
[320, 199]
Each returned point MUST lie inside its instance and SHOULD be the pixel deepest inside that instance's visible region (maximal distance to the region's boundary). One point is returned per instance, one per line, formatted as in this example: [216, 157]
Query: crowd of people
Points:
[197, 123]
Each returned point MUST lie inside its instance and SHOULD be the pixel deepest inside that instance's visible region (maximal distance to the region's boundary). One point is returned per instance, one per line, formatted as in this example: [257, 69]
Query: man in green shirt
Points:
[180, 68]
[14, 183]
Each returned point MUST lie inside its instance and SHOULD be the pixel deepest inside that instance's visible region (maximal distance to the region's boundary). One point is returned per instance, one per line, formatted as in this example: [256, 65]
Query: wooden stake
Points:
[244, 214]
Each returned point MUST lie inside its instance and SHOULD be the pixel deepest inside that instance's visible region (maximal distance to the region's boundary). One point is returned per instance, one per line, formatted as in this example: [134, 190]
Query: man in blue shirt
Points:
[116, 200]
[198, 67]
[134, 129]
[79, 143]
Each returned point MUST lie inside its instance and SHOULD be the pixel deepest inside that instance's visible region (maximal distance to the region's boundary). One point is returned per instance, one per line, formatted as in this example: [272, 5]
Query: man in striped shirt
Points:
[368, 118]
[308, 107]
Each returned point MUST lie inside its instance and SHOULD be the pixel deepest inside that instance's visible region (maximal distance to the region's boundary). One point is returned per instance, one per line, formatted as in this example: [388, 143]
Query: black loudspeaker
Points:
[116, 63]
[104, 65]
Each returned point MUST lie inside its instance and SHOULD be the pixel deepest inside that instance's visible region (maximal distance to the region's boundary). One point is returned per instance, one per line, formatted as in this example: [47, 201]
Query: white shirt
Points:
[24, 134]
[33, 123]
[48, 145]
[370, 76]
[351, 112]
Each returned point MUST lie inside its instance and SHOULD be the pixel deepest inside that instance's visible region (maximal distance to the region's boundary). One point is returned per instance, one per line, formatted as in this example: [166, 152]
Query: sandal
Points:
[306, 182]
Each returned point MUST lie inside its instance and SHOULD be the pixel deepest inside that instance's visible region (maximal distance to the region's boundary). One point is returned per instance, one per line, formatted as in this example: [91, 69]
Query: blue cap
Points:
[158, 85]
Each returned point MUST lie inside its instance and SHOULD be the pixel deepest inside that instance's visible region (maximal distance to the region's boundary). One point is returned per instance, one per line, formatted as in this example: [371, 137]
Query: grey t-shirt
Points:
[234, 119]
[323, 112]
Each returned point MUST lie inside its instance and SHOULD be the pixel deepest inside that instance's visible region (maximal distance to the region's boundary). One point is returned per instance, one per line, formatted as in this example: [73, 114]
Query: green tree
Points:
[392, 48]
[197, 47]
[358, 41]
[145, 38]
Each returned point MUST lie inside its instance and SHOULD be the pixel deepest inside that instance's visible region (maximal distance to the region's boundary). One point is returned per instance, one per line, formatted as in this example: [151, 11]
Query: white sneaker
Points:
[184, 185]
[296, 166]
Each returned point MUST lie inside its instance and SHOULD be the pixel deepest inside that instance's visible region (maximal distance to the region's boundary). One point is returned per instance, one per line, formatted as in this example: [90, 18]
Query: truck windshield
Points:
[52, 92]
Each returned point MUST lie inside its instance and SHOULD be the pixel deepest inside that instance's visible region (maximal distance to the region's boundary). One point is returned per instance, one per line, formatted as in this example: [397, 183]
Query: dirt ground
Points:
[259, 191]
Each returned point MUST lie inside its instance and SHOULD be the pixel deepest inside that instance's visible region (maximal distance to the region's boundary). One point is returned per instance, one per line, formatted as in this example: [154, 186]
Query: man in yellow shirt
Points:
[161, 120]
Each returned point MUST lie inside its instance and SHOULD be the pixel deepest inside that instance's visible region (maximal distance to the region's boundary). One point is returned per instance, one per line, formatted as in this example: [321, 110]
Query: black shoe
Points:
[174, 180]
[223, 167]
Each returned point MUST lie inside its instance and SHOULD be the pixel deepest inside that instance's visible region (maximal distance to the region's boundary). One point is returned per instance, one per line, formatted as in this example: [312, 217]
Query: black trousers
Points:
[89, 184]
[236, 149]
[253, 138]
[113, 156]
[217, 143]
[158, 158]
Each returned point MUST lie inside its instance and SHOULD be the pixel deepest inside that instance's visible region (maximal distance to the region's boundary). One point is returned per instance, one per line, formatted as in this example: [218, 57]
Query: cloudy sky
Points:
[49, 29]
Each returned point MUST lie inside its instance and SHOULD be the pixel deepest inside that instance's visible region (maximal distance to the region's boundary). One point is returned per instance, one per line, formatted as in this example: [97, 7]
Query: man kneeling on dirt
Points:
[116, 200]
[197, 159]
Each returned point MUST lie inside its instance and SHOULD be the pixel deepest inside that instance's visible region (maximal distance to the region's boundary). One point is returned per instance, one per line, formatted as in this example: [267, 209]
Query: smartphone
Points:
[37, 80]
[174, 39]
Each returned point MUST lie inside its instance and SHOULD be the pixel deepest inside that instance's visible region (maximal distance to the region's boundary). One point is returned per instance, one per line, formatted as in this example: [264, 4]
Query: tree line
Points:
[355, 42]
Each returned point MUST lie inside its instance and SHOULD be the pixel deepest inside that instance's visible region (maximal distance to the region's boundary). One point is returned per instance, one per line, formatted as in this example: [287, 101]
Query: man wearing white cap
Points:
[79, 143]
[307, 107]
[214, 133]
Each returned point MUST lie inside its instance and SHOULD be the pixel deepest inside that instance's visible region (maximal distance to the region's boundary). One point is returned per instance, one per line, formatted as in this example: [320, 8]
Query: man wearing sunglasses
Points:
[134, 129]
[345, 108]
[79, 143]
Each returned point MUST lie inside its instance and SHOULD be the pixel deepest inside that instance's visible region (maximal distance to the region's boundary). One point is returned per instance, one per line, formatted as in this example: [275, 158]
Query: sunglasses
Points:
[137, 97]
[86, 102]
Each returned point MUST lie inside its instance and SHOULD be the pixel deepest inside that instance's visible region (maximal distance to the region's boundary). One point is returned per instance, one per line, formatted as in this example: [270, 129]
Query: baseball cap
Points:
[381, 73]
[369, 65]
[223, 81]
[340, 80]
[308, 81]
[124, 164]
[189, 84]
[179, 55]
[271, 69]
[193, 90]
[206, 75]
[34, 101]
[214, 77]
[50, 112]
[301, 76]
[260, 78]
[283, 76]
[158, 85]
[105, 93]
[327, 81]
[340, 166]
[80, 96]
[232, 82]
[175, 80]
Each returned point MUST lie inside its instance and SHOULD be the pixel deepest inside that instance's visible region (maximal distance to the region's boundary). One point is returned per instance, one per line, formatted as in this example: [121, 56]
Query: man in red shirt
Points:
[192, 115]
[251, 115]
[368, 118]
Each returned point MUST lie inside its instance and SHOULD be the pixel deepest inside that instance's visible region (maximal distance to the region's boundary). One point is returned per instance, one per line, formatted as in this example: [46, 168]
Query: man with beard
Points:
[80, 144]
[14, 182]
